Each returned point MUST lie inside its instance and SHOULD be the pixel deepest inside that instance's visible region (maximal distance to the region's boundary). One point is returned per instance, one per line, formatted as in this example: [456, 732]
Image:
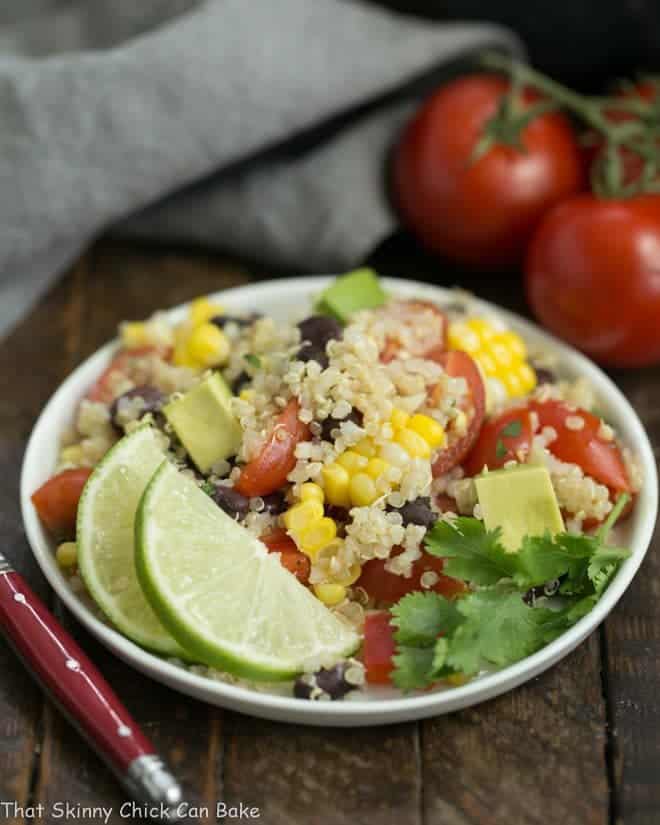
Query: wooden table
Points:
[579, 745]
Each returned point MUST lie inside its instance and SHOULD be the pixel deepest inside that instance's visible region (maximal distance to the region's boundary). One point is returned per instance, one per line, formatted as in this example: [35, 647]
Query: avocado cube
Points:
[204, 422]
[521, 501]
[351, 293]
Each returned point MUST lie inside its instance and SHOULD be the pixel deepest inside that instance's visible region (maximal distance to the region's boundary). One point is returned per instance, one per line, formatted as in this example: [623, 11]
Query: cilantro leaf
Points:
[512, 429]
[413, 667]
[543, 558]
[421, 617]
[500, 449]
[603, 565]
[472, 553]
[252, 360]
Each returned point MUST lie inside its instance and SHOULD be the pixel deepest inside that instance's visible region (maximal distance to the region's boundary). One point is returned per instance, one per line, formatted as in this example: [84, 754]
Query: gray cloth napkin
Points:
[169, 120]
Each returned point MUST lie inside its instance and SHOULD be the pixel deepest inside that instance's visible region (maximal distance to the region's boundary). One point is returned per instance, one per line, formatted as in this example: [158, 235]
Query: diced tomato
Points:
[290, 557]
[598, 458]
[268, 471]
[56, 501]
[458, 364]
[507, 437]
[446, 504]
[388, 588]
[379, 648]
[102, 390]
[408, 313]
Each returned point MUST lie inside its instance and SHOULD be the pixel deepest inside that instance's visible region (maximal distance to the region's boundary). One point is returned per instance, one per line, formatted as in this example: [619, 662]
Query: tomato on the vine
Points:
[482, 210]
[593, 277]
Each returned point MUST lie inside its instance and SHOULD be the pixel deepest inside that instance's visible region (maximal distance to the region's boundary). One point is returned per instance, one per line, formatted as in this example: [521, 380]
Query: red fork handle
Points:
[81, 692]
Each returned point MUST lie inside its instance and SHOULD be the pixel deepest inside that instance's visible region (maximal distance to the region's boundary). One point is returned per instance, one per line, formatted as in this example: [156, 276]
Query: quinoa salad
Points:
[437, 486]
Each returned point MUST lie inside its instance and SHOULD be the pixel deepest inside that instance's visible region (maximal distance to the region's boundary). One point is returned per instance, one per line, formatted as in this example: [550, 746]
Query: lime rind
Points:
[104, 534]
[220, 593]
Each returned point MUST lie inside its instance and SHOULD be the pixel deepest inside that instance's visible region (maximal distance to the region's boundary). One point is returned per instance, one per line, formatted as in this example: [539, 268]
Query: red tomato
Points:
[458, 364]
[507, 437]
[446, 503]
[379, 648]
[598, 458]
[592, 277]
[102, 390]
[290, 557]
[388, 588]
[408, 312]
[481, 212]
[56, 501]
[268, 471]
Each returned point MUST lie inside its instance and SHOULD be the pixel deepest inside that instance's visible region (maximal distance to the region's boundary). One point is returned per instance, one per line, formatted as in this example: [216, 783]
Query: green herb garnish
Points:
[512, 429]
[253, 360]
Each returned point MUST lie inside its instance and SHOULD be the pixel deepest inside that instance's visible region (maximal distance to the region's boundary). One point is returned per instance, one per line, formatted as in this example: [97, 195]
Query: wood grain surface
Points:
[579, 745]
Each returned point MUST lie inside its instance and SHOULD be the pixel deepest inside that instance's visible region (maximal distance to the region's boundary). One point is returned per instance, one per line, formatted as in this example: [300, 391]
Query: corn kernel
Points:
[482, 328]
[246, 394]
[460, 336]
[366, 448]
[181, 357]
[303, 515]
[336, 484]
[501, 354]
[208, 345]
[352, 461]
[487, 363]
[376, 467]
[351, 577]
[362, 490]
[202, 310]
[318, 535]
[432, 432]
[527, 377]
[133, 334]
[330, 594]
[512, 384]
[311, 491]
[394, 454]
[412, 443]
[66, 554]
[514, 343]
[399, 419]
[458, 679]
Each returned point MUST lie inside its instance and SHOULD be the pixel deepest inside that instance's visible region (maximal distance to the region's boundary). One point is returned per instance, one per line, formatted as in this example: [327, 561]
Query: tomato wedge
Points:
[600, 459]
[507, 437]
[379, 648]
[268, 471]
[290, 557]
[458, 364]
[408, 313]
[388, 587]
[56, 501]
[102, 389]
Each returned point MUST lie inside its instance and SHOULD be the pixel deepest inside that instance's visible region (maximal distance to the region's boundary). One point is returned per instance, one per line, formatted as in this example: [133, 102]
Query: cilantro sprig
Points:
[493, 623]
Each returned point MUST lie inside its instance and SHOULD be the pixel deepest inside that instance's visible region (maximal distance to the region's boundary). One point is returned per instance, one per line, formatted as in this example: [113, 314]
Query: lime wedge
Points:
[105, 538]
[221, 594]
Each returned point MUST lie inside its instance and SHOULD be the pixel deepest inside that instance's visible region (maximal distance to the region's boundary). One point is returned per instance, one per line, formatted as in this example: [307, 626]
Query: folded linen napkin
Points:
[183, 120]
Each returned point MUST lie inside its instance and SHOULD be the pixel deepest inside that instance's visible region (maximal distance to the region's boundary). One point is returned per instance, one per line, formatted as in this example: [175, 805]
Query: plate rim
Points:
[356, 712]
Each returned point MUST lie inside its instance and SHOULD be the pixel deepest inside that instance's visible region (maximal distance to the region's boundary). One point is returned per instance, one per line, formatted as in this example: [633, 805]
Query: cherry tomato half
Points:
[56, 501]
[268, 471]
[388, 587]
[103, 389]
[379, 647]
[592, 277]
[481, 212]
[409, 313]
[290, 557]
[600, 459]
[507, 437]
[458, 364]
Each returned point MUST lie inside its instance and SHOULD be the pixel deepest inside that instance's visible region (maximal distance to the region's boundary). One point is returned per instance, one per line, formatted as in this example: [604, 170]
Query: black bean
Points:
[544, 376]
[330, 423]
[548, 589]
[239, 320]
[152, 398]
[417, 512]
[242, 380]
[275, 503]
[231, 501]
[330, 681]
[315, 333]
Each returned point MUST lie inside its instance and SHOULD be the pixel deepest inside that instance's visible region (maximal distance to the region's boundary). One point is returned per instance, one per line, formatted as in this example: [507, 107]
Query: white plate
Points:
[280, 299]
